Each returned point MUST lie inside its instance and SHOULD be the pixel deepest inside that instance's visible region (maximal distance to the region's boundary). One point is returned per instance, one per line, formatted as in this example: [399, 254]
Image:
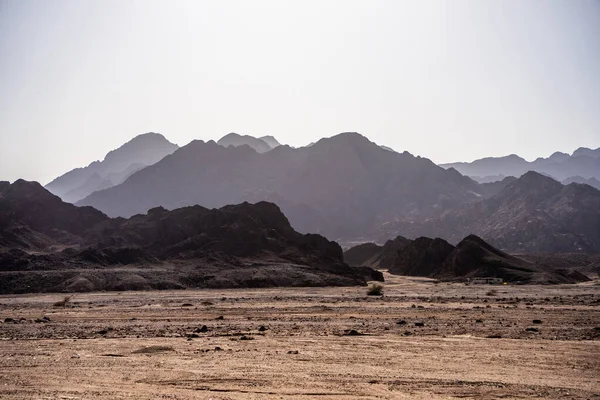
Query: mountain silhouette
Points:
[583, 162]
[143, 150]
[343, 187]
[235, 140]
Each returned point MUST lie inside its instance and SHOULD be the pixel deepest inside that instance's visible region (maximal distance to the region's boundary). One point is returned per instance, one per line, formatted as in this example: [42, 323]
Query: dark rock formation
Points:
[33, 218]
[422, 257]
[245, 245]
[533, 214]
[473, 258]
[375, 256]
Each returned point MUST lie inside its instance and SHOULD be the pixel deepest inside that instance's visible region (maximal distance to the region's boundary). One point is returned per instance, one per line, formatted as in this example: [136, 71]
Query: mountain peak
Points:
[270, 140]
[142, 150]
[236, 140]
[350, 138]
[534, 182]
[586, 151]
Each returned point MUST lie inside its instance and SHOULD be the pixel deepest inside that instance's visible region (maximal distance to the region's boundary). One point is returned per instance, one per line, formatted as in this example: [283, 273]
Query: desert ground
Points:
[421, 340]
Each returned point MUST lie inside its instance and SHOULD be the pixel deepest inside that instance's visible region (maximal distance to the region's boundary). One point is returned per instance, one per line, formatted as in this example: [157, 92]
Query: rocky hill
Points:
[473, 258]
[49, 245]
[375, 256]
[118, 165]
[533, 214]
[341, 187]
[32, 218]
[593, 182]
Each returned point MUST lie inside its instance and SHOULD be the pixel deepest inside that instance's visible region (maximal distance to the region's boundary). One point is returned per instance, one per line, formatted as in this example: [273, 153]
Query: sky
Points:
[447, 80]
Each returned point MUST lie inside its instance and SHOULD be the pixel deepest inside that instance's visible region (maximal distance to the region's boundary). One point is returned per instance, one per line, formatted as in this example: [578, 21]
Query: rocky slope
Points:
[593, 182]
[341, 187]
[472, 258]
[50, 245]
[375, 256]
[32, 218]
[143, 150]
[533, 214]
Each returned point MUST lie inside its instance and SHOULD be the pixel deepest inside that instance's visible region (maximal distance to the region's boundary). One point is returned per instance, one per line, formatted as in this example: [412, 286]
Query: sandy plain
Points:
[421, 340]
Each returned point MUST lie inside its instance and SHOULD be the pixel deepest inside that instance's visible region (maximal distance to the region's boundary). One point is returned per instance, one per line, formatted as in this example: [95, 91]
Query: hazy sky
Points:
[451, 81]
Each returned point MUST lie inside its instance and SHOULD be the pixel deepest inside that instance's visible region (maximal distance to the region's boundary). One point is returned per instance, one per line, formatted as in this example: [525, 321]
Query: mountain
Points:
[593, 182]
[532, 214]
[143, 150]
[422, 257]
[49, 245]
[375, 256]
[584, 151]
[342, 187]
[473, 258]
[33, 218]
[511, 165]
[271, 141]
[583, 162]
[235, 140]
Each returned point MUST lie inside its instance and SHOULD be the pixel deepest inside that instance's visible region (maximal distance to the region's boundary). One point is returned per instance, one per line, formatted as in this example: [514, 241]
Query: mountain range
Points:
[351, 190]
[471, 258]
[583, 163]
[532, 214]
[261, 144]
[342, 187]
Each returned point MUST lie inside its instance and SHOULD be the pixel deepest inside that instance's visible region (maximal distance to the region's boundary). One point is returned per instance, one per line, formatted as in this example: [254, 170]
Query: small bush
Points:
[63, 302]
[492, 292]
[375, 289]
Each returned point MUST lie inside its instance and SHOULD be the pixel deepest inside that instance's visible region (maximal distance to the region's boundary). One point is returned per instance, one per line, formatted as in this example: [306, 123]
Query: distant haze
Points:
[451, 81]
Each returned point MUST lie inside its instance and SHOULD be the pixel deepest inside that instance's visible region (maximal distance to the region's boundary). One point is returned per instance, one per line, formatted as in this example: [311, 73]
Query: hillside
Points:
[49, 245]
[473, 258]
[32, 218]
[375, 256]
[533, 214]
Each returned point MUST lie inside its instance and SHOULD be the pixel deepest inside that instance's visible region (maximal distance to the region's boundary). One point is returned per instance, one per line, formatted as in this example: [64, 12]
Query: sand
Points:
[475, 342]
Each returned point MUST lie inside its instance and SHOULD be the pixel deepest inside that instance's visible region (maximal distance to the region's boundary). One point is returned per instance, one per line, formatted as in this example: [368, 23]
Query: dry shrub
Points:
[63, 303]
[492, 292]
[375, 289]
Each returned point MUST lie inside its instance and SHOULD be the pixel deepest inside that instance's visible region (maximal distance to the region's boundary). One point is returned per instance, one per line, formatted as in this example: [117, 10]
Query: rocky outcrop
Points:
[79, 248]
[422, 257]
[33, 218]
[533, 214]
[375, 256]
[474, 258]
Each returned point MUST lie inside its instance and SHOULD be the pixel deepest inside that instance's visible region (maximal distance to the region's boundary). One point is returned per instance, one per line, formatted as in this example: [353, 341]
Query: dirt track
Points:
[101, 344]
